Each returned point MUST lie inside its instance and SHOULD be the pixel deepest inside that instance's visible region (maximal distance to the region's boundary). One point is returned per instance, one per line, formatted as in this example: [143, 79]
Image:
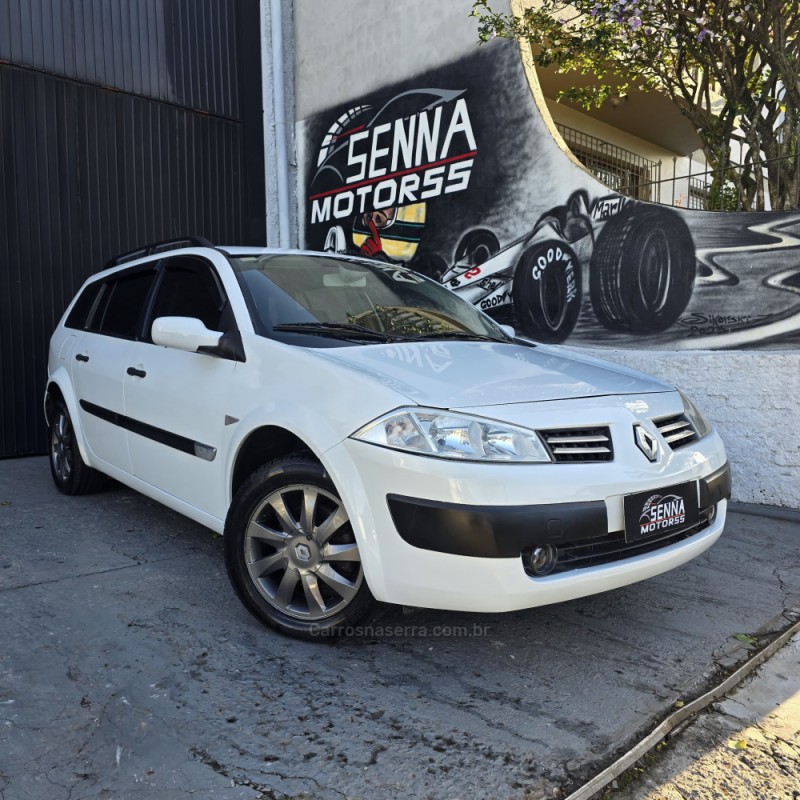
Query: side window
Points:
[79, 315]
[190, 288]
[121, 309]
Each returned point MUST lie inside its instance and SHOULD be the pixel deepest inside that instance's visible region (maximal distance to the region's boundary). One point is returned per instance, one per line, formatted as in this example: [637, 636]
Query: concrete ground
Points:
[128, 669]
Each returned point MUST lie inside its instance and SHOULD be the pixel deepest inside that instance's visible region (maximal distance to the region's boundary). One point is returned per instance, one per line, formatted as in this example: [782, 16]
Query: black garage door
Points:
[121, 123]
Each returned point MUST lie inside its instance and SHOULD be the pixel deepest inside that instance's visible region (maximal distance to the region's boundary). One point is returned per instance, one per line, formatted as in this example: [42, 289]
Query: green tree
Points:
[726, 64]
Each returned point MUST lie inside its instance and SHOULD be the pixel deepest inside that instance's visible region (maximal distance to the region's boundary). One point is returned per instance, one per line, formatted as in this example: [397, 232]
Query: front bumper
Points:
[508, 531]
[450, 535]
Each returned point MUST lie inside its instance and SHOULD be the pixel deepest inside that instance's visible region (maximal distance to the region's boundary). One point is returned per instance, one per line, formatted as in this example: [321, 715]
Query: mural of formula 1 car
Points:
[639, 259]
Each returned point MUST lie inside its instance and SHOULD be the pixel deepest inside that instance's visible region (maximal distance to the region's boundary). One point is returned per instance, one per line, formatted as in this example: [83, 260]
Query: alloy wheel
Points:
[301, 554]
[61, 447]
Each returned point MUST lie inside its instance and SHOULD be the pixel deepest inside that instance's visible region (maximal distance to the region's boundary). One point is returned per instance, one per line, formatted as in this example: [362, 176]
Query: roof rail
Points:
[158, 247]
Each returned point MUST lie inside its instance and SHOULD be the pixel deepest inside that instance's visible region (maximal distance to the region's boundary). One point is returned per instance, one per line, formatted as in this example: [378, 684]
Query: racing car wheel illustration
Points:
[642, 270]
[547, 291]
[429, 264]
[476, 247]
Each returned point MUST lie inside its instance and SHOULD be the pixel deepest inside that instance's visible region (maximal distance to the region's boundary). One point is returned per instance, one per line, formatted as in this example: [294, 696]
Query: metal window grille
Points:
[621, 170]
[698, 194]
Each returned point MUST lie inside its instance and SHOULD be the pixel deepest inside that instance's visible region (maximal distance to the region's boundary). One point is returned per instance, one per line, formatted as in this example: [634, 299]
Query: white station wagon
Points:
[360, 433]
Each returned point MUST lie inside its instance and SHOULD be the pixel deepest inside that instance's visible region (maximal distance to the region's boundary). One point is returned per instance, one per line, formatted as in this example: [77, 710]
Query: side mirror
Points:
[184, 333]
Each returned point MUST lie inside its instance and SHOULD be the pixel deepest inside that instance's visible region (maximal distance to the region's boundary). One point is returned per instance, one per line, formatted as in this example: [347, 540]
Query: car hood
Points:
[452, 374]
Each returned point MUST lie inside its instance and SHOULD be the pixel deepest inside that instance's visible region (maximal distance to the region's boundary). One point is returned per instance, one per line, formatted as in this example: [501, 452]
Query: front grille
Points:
[677, 431]
[612, 547]
[579, 444]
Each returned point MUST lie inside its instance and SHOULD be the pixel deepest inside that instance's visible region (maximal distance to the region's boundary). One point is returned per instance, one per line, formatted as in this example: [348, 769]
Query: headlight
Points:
[452, 435]
[695, 416]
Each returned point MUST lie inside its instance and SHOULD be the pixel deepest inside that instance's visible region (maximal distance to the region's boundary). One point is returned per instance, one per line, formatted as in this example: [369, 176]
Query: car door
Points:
[101, 357]
[176, 399]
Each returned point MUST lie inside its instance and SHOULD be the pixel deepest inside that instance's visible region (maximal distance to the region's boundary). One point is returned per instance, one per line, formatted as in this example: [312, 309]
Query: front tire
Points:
[547, 291]
[70, 472]
[291, 553]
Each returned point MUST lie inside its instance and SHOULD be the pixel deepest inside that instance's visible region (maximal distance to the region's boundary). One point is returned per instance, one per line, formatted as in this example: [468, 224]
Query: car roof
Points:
[227, 250]
[245, 250]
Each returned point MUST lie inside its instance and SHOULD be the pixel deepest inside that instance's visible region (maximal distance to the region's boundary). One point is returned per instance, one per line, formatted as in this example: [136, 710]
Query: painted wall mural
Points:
[456, 175]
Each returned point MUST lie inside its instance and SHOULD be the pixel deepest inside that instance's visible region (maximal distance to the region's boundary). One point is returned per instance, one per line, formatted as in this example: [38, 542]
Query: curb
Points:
[773, 512]
[655, 737]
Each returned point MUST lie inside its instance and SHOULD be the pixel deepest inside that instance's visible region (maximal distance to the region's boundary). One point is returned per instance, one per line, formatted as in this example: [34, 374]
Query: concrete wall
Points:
[349, 48]
[523, 209]
[751, 397]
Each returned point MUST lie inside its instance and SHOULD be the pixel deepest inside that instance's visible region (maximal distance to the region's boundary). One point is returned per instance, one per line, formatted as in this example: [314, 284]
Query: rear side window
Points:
[122, 307]
[79, 315]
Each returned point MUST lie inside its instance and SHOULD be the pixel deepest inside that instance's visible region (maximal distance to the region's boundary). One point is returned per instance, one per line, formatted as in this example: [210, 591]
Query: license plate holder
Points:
[660, 512]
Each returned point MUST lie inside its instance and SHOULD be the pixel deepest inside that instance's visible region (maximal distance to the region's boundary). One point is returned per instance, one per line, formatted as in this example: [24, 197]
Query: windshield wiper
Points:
[346, 330]
[475, 337]
[350, 330]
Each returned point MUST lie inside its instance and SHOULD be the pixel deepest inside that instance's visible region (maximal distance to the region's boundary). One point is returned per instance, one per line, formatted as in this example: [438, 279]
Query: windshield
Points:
[322, 297]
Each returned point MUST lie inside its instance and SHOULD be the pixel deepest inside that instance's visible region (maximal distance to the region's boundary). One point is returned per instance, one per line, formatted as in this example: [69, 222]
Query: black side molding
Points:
[167, 438]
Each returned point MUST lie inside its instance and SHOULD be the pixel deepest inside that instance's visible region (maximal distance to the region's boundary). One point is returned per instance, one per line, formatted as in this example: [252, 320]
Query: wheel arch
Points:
[261, 445]
[52, 394]
[59, 388]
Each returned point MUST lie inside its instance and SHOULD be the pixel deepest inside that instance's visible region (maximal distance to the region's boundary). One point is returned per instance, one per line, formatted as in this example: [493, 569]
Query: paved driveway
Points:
[128, 669]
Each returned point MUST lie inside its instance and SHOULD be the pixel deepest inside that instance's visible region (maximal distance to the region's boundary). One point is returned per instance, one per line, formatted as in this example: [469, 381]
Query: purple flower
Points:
[634, 23]
[702, 35]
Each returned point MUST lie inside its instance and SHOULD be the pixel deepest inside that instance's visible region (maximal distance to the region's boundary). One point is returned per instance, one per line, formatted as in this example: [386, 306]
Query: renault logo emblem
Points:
[646, 442]
[302, 552]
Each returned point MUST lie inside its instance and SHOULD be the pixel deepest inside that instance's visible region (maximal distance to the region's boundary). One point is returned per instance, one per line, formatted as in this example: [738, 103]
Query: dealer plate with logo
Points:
[661, 512]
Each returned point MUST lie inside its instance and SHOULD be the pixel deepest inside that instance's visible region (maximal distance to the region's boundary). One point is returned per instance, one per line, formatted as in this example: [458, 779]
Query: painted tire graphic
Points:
[477, 247]
[547, 291]
[642, 270]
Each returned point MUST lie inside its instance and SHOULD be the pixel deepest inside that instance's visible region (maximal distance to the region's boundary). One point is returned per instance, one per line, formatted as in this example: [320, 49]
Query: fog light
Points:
[543, 559]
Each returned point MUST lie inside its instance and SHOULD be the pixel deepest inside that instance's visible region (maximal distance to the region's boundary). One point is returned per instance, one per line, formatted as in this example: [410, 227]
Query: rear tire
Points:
[642, 270]
[291, 553]
[70, 472]
[547, 291]
[432, 265]
[476, 248]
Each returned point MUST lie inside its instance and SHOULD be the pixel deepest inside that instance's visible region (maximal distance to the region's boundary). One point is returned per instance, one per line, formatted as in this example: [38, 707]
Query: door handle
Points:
[137, 373]
[81, 357]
